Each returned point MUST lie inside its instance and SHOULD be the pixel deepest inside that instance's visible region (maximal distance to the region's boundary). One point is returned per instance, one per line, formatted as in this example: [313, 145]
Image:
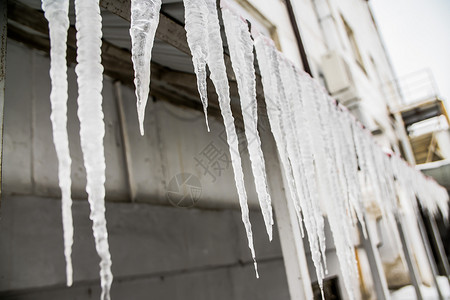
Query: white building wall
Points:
[357, 14]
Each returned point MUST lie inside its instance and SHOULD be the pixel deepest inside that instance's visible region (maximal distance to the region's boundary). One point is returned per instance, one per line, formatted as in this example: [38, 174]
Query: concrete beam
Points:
[179, 88]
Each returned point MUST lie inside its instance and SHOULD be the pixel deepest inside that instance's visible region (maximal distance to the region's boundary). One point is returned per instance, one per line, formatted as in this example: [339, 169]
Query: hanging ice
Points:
[56, 12]
[241, 52]
[144, 21]
[336, 206]
[305, 138]
[274, 114]
[302, 160]
[352, 167]
[279, 100]
[196, 20]
[92, 129]
[315, 129]
[213, 48]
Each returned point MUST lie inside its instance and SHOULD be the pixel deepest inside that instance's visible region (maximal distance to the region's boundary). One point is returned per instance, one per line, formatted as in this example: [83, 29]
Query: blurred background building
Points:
[161, 249]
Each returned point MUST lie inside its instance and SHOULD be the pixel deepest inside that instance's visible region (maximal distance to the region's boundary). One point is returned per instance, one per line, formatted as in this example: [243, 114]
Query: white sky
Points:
[417, 36]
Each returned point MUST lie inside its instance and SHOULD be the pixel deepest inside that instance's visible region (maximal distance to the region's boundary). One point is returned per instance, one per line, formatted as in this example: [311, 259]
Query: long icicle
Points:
[304, 138]
[241, 53]
[196, 20]
[57, 14]
[302, 163]
[92, 128]
[213, 48]
[219, 77]
[144, 21]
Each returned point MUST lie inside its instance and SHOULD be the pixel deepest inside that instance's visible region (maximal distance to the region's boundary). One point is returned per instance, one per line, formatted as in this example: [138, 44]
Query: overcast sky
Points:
[417, 35]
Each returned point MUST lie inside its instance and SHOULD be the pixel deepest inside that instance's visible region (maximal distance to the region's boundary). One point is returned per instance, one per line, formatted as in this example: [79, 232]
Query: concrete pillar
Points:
[291, 239]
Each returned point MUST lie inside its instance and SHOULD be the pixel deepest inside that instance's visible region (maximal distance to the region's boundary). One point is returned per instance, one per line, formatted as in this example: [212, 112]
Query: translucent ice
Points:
[241, 53]
[211, 46]
[278, 79]
[301, 157]
[56, 12]
[144, 21]
[92, 128]
[196, 20]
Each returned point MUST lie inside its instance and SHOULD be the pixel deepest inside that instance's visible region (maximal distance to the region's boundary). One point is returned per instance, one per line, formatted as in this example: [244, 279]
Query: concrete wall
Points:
[175, 137]
[158, 250]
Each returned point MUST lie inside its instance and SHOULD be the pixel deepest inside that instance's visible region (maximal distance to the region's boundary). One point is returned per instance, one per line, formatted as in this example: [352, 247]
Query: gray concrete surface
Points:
[147, 243]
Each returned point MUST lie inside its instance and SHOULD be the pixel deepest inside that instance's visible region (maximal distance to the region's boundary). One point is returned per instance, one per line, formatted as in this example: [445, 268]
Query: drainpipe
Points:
[298, 38]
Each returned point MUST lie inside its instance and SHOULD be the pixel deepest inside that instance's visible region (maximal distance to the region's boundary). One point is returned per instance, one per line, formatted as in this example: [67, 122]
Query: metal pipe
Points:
[298, 38]
[439, 246]
[430, 256]
[409, 261]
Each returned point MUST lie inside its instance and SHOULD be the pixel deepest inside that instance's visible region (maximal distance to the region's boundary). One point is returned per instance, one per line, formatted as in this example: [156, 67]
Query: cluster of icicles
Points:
[326, 155]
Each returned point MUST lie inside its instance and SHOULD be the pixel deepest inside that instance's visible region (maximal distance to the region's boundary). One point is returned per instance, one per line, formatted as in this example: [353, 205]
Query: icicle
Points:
[196, 19]
[352, 168]
[241, 53]
[144, 21]
[282, 123]
[376, 180]
[56, 12]
[302, 159]
[305, 138]
[336, 205]
[92, 128]
[272, 99]
[213, 48]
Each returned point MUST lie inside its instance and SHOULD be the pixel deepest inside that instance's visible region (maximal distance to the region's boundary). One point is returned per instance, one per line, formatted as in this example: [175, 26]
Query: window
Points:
[353, 44]
[256, 18]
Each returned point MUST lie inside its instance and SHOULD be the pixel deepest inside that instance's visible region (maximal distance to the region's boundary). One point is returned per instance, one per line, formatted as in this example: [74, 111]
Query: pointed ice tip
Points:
[256, 268]
[69, 273]
[206, 119]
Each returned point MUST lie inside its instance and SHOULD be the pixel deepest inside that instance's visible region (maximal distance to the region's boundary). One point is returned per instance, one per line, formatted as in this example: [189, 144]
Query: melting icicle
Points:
[302, 161]
[241, 53]
[144, 21]
[56, 12]
[92, 128]
[282, 123]
[274, 114]
[303, 121]
[352, 168]
[336, 205]
[213, 48]
[196, 19]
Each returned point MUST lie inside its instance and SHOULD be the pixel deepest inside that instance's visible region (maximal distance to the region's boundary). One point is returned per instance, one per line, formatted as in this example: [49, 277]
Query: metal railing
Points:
[414, 87]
